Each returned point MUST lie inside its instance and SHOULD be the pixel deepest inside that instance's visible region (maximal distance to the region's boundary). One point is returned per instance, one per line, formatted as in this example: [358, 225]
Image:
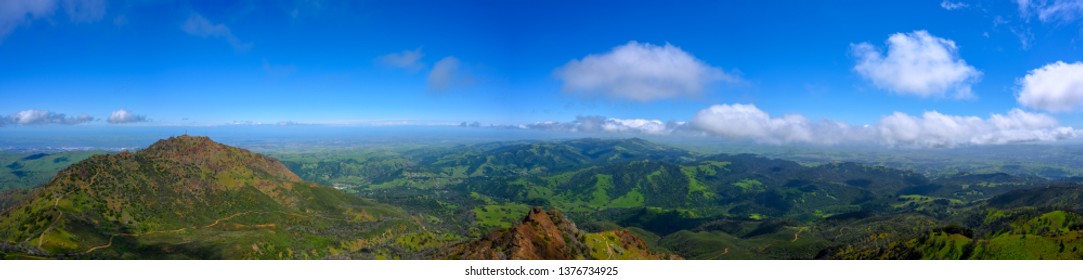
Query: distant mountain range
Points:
[694, 205]
[192, 198]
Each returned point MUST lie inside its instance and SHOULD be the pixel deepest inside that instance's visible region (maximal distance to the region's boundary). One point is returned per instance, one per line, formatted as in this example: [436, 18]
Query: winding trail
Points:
[840, 233]
[724, 252]
[608, 249]
[215, 223]
[212, 224]
[796, 234]
[103, 246]
[60, 213]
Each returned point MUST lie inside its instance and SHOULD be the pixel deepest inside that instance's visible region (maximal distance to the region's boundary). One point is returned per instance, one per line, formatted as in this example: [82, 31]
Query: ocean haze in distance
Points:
[1059, 156]
[265, 137]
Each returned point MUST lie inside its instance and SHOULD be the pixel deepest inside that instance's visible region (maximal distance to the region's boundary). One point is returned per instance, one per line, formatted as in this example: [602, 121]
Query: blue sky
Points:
[899, 73]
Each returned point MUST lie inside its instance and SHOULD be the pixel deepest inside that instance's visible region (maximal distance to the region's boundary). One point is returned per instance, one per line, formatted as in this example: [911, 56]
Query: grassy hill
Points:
[189, 197]
[1040, 223]
[27, 170]
[719, 206]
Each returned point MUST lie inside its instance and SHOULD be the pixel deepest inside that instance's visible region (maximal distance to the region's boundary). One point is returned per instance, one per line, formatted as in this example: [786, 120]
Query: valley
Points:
[698, 206]
[189, 197]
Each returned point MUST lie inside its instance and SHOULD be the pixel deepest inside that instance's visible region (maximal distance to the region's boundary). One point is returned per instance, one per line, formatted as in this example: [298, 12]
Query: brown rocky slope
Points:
[548, 235]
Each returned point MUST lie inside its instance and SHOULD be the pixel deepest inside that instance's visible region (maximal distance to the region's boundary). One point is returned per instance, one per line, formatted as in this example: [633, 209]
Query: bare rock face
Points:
[548, 235]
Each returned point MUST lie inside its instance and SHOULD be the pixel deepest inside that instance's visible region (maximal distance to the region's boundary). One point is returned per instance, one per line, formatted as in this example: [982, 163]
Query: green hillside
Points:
[189, 197]
[694, 205]
[27, 170]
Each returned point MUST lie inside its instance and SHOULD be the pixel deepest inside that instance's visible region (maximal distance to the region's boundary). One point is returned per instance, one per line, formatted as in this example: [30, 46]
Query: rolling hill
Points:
[27, 170]
[722, 206]
[190, 197]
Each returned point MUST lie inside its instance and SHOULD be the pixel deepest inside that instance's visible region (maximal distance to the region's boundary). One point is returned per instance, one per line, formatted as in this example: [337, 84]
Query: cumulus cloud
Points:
[746, 121]
[196, 25]
[1051, 10]
[934, 129]
[918, 64]
[1056, 87]
[42, 117]
[123, 116]
[446, 74]
[644, 126]
[948, 5]
[407, 59]
[640, 72]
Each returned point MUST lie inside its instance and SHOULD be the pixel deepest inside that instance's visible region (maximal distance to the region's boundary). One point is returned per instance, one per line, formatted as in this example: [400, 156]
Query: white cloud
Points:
[746, 121]
[610, 125]
[196, 25]
[640, 72]
[123, 116]
[644, 126]
[407, 59]
[446, 74]
[14, 13]
[917, 64]
[934, 129]
[42, 117]
[1056, 87]
[1051, 10]
[948, 5]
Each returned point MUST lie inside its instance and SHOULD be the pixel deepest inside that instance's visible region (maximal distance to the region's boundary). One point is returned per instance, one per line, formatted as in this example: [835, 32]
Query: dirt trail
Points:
[608, 249]
[215, 223]
[796, 234]
[106, 245]
[840, 233]
[60, 213]
[724, 252]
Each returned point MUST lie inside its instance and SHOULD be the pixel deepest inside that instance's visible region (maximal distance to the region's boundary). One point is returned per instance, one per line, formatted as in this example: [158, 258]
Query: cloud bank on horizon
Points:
[747, 122]
[939, 80]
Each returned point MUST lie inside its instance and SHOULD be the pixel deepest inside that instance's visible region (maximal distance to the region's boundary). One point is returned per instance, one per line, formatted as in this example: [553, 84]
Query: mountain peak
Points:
[185, 197]
[183, 145]
[202, 151]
